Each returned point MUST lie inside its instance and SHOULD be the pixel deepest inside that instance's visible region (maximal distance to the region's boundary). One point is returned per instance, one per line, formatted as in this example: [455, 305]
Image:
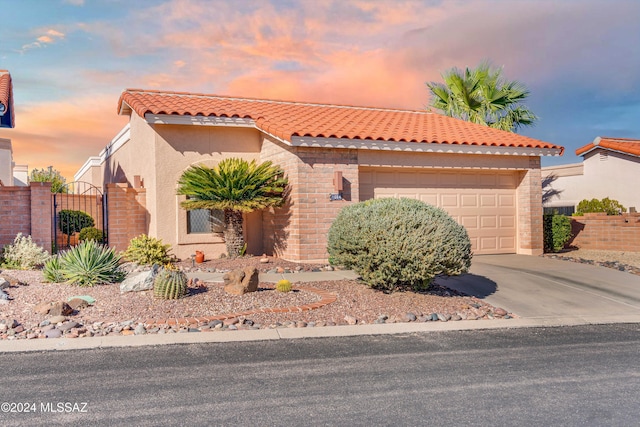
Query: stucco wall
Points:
[6, 162]
[604, 174]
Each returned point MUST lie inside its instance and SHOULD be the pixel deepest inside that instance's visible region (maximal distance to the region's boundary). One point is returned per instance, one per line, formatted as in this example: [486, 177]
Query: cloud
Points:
[74, 2]
[50, 36]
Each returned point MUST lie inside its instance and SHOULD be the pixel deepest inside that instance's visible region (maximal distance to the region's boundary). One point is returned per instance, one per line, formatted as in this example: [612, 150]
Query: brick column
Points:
[530, 210]
[41, 214]
[127, 214]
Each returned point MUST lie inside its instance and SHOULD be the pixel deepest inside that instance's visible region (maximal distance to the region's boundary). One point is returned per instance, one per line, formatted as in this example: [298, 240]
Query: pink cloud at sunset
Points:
[359, 52]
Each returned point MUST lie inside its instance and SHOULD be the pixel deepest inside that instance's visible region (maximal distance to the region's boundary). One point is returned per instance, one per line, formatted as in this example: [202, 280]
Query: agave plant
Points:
[90, 263]
[52, 270]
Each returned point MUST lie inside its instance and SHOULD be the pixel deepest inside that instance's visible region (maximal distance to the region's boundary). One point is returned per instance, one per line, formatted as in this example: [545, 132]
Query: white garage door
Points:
[484, 203]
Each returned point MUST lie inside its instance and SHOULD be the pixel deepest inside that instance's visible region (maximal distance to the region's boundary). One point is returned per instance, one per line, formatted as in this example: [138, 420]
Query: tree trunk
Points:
[233, 234]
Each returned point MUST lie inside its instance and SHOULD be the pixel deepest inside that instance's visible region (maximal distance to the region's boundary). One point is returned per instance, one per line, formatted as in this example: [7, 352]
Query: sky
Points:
[71, 59]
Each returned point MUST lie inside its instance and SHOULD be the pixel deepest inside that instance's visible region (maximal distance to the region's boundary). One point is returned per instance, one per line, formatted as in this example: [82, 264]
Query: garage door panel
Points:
[484, 203]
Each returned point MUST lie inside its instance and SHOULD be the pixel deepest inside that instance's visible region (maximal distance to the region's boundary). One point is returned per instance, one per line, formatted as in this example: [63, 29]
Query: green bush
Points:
[147, 250]
[610, 207]
[91, 233]
[87, 264]
[396, 243]
[52, 271]
[557, 232]
[70, 222]
[24, 253]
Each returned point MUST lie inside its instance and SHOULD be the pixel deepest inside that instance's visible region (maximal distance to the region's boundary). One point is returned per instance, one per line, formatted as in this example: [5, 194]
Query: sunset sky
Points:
[71, 59]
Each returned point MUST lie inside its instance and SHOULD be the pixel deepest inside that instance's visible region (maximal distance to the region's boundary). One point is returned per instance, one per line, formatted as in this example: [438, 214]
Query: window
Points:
[205, 221]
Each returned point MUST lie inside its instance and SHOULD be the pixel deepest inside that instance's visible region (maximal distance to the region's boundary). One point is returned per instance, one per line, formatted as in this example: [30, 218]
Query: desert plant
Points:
[24, 253]
[70, 222]
[91, 263]
[58, 182]
[234, 186]
[91, 233]
[52, 271]
[147, 250]
[556, 231]
[170, 283]
[396, 243]
[607, 205]
[283, 286]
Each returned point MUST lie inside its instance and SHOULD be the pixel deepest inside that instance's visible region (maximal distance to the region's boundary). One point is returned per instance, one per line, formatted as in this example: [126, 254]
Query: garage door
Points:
[484, 203]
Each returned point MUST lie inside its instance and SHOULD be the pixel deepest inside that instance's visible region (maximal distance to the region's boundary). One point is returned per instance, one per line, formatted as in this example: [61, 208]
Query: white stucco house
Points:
[610, 168]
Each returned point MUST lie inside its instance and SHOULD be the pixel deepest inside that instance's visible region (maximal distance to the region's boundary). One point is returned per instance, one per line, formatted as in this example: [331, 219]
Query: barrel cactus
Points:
[170, 284]
[283, 286]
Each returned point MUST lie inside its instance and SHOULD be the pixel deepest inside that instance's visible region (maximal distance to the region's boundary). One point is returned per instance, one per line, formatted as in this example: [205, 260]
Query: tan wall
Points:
[6, 162]
[15, 213]
[606, 232]
[529, 198]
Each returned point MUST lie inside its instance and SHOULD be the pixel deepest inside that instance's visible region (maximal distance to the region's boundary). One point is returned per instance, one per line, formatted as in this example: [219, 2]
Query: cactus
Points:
[170, 284]
[283, 286]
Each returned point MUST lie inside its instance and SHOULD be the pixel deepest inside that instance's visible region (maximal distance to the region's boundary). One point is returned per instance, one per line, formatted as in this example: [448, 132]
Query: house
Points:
[6, 100]
[609, 168]
[333, 155]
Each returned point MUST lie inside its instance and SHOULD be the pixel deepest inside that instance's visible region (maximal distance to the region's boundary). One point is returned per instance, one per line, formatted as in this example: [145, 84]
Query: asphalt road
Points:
[581, 375]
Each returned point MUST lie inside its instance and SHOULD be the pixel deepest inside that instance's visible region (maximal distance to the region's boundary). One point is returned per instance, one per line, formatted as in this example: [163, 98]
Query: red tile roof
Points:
[622, 145]
[6, 100]
[285, 119]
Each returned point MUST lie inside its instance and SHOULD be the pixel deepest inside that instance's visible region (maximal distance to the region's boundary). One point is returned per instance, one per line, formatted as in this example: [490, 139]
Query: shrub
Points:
[557, 232]
[70, 222]
[90, 263]
[147, 250]
[395, 243]
[24, 253]
[91, 233]
[170, 284]
[283, 286]
[52, 270]
[610, 207]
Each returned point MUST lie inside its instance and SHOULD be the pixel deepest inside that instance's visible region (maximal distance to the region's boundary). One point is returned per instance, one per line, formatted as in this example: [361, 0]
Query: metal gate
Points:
[79, 206]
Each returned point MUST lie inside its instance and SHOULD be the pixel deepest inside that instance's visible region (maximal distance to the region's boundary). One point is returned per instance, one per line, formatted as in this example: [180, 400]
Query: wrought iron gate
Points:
[79, 205]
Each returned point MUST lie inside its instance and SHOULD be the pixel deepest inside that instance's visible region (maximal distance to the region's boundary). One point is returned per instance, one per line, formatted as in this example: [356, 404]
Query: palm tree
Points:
[234, 186]
[482, 96]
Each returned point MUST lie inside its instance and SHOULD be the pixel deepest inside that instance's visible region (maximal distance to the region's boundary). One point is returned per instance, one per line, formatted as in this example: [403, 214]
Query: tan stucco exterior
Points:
[155, 155]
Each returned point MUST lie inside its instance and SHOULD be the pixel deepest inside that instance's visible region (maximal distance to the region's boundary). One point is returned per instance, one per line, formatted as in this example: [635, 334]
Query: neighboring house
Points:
[10, 173]
[610, 168]
[487, 179]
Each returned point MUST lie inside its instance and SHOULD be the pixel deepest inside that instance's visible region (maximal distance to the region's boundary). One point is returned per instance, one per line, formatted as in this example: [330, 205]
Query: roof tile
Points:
[6, 100]
[286, 119]
[623, 145]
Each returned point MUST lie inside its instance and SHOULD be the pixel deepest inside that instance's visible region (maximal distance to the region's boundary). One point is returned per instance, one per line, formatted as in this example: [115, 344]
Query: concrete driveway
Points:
[542, 288]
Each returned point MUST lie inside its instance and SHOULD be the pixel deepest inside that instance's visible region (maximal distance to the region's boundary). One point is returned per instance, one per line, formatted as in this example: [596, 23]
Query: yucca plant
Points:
[90, 263]
[234, 186]
[170, 283]
[52, 270]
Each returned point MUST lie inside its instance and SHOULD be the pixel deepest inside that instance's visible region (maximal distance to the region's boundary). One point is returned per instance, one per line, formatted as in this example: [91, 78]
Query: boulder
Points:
[43, 308]
[78, 303]
[240, 282]
[140, 281]
[60, 308]
[4, 283]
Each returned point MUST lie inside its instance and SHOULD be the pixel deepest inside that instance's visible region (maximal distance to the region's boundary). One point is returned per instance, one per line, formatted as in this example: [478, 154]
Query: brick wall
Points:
[127, 214]
[606, 232]
[15, 213]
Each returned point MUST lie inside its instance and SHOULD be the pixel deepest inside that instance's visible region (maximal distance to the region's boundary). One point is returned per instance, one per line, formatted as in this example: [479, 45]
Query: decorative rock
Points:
[500, 312]
[456, 317]
[57, 319]
[264, 260]
[443, 317]
[350, 320]
[18, 329]
[3, 295]
[301, 324]
[232, 321]
[4, 283]
[247, 322]
[279, 270]
[215, 323]
[45, 323]
[410, 317]
[434, 317]
[53, 333]
[60, 308]
[193, 330]
[298, 269]
[127, 332]
[43, 308]
[66, 326]
[329, 268]
[140, 281]
[78, 304]
[233, 328]
[240, 282]
[140, 329]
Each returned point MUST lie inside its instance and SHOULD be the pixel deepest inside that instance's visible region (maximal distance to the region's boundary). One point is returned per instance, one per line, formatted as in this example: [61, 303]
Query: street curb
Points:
[216, 336]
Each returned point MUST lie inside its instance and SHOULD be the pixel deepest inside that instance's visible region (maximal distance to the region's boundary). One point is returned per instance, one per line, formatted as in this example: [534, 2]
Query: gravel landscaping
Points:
[619, 260]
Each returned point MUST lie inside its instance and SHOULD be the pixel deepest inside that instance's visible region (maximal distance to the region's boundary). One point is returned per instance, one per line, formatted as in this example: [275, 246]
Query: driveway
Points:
[538, 288]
